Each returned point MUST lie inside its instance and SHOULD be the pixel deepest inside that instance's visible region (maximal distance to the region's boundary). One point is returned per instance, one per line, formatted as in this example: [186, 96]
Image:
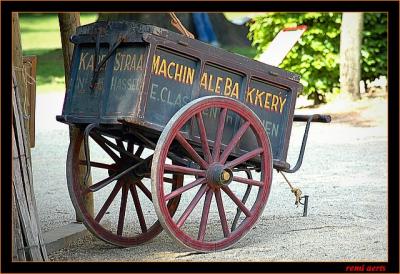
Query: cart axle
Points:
[218, 175]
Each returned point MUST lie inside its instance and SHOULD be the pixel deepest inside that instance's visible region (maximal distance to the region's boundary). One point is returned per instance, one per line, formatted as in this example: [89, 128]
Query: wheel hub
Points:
[218, 175]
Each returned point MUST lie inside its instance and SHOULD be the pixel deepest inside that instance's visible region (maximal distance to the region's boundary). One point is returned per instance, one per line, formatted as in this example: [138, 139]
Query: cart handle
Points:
[306, 118]
[315, 118]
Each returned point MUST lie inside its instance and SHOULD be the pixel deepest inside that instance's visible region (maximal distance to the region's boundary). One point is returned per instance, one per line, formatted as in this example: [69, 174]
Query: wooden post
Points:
[19, 70]
[350, 52]
[68, 24]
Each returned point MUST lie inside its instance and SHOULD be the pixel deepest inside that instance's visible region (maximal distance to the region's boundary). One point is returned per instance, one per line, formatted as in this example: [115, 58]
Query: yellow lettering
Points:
[203, 82]
[235, 91]
[249, 95]
[228, 85]
[210, 83]
[82, 61]
[267, 98]
[217, 87]
[169, 67]
[90, 62]
[140, 62]
[259, 96]
[127, 61]
[178, 75]
[184, 74]
[122, 61]
[275, 101]
[133, 63]
[163, 68]
[190, 76]
[282, 103]
[156, 64]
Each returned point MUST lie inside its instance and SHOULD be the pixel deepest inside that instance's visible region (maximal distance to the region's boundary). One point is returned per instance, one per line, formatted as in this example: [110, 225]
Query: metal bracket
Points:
[87, 131]
[297, 192]
[305, 205]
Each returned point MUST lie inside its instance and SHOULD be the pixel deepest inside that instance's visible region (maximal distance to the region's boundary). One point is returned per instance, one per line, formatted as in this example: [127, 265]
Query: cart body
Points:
[153, 72]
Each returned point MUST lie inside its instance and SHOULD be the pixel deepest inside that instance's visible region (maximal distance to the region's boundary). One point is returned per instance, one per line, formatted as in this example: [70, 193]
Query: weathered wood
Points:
[18, 242]
[68, 24]
[28, 240]
[29, 64]
[18, 66]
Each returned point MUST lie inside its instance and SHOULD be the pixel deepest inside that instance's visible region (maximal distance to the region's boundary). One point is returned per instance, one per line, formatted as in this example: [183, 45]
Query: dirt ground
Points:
[344, 173]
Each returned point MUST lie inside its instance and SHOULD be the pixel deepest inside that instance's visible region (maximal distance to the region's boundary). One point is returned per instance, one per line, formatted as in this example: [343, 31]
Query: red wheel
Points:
[123, 210]
[211, 193]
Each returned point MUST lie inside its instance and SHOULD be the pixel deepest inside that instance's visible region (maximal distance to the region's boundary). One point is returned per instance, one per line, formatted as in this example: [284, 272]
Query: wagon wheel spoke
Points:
[250, 184]
[105, 182]
[120, 144]
[204, 216]
[247, 181]
[109, 200]
[144, 189]
[235, 140]
[139, 151]
[180, 190]
[98, 165]
[138, 208]
[203, 138]
[108, 143]
[220, 131]
[184, 170]
[169, 180]
[236, 200]
[130, 147]
[192, 205]
[192, 153]
[244, 158]
[106, 148]
[122, 209]
[221, 212]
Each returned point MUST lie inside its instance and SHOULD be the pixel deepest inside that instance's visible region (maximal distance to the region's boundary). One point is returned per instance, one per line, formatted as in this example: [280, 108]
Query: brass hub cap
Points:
[218, 175]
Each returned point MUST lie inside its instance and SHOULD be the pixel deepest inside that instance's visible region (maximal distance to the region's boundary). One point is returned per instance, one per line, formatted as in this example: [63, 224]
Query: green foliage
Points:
[316, 56]
[40, 36]
[374, 46]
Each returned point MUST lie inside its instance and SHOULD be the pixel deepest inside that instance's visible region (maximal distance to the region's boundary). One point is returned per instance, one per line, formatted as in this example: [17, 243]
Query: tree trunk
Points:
[68, 24]
[350, 51]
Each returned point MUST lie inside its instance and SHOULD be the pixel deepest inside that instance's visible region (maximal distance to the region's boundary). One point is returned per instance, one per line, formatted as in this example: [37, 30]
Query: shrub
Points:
[316, 56]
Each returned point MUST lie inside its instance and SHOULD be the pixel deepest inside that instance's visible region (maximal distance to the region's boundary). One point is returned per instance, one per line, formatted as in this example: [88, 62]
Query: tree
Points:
[68, 24]
[350, 51]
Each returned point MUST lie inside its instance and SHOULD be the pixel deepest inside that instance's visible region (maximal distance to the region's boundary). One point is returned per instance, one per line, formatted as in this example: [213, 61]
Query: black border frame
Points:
[392, 7]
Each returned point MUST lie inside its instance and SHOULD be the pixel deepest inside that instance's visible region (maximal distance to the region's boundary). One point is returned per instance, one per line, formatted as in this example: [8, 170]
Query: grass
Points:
[40, 36]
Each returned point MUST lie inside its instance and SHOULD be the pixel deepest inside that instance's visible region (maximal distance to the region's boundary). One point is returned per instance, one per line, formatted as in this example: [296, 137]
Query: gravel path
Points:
[344, 173]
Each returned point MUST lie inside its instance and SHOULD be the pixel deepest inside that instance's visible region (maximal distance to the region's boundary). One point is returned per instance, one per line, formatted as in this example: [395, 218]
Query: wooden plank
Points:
[29, 64]
[22, 207]
[33, 246]
[18, 247]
